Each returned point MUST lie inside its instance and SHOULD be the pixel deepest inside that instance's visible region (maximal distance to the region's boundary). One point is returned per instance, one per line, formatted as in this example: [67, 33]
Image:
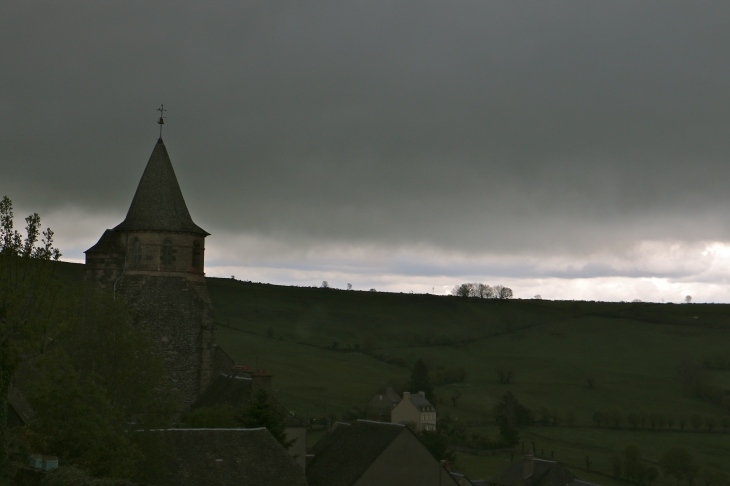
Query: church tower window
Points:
[136, 252]
[196, 255]
[166, 256]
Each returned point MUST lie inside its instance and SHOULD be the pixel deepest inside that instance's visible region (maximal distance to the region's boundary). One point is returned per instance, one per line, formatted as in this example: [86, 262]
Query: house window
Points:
[196, 255]
[136, 252]
[166, 256]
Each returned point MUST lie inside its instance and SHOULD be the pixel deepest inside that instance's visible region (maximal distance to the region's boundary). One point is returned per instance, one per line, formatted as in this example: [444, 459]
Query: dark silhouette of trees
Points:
[505, 374]
[679, 464]
[482, 291]
[420, 381]
[510, 415]
[264, 412]
[27, 296]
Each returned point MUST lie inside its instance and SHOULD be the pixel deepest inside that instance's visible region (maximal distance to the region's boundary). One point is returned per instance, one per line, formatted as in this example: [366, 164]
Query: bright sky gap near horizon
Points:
[569, 149]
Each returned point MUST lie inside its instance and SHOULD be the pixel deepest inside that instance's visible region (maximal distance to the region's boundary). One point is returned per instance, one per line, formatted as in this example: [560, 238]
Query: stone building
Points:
[155, 258]
[369, 453]
[415, 409]
[380, 406]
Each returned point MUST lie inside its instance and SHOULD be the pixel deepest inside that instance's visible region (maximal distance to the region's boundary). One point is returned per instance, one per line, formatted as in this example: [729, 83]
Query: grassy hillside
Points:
[330, 349]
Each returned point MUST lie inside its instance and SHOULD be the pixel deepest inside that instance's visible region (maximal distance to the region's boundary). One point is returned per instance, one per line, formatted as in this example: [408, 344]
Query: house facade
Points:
[415, 409]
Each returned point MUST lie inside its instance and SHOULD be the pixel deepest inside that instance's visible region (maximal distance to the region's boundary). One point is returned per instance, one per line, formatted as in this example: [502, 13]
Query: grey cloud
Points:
[512, 127]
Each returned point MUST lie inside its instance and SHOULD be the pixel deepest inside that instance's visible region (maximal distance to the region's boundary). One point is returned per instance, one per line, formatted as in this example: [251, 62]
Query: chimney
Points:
[406, 395]
[423, 394]
[528, 465]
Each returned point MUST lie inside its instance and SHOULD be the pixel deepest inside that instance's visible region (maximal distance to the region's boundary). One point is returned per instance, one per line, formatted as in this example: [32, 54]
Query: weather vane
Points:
[161, 120]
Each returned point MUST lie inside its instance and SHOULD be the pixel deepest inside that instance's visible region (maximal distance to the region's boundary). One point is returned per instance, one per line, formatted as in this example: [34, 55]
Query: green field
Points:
[332, 349]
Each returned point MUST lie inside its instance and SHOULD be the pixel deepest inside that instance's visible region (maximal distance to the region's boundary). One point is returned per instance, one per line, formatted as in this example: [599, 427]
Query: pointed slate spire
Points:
[158, 204]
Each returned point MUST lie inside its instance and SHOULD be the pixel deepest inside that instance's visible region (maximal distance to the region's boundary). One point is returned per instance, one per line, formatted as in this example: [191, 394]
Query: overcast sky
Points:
[570, 149]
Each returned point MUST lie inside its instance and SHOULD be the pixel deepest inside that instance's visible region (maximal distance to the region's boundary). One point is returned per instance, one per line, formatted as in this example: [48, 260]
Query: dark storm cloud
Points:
[503, 127]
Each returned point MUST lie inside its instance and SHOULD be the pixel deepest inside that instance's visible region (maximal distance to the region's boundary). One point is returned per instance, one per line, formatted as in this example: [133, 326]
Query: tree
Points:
[420, 381]
[696, 421]
[325, 284]
[570, 417]
[455, 395]
[485, 291]
[633, 419]
[349, 286]
[505, 293]
[100, 376]
[27, 297]
[76, 420]
[688, 299]
[679, 464]
[616, 466]
[505, 374]
[633, 467]
[510, 415]
[264, 412]
[437, 444]
[725, 423]
[463, 290]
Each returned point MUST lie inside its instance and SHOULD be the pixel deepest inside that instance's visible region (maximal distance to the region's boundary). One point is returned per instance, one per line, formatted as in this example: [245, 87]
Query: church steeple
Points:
[158, 204]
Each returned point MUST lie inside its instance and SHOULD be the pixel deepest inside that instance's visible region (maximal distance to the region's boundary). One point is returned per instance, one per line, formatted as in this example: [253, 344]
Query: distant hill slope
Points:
[331, 349]
[631, 350]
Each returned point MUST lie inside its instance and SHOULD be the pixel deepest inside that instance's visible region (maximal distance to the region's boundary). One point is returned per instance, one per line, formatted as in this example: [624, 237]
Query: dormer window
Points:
[167, 257]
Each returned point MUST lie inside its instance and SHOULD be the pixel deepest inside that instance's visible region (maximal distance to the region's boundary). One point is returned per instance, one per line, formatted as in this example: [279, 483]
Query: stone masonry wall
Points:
[178, 314]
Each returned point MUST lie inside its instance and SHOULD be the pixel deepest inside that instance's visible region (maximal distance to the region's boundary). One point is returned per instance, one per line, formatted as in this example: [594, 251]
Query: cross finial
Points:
[161, 120]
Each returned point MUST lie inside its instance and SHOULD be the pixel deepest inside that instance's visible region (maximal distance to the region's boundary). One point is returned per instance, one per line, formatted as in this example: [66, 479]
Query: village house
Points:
[218, 457]
[415, 409]
[532, 471]
[368, 453]
[380, 406]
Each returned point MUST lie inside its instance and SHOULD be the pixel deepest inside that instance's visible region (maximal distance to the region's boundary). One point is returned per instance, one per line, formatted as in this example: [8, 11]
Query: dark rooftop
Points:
[346, 452]
[158, 204]
[421, 403]
[219, 457]
[542, 473]
[110, 242]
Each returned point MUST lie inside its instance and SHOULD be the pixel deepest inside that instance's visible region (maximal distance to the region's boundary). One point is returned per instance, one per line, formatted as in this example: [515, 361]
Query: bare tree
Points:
[505, 293]
[505, 374]
[688, 299]
[325, 284]
[349, 286]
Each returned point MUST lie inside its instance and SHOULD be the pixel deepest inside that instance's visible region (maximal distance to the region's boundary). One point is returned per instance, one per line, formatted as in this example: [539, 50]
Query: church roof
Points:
[158, 204]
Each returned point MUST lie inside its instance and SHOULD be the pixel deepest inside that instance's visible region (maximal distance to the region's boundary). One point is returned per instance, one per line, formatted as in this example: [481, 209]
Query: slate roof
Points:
[347, 451]
[110, 242]
[158, 204]
[232, 389]
[385, 399]
[220, 457]
[544, 473]
[421, 403]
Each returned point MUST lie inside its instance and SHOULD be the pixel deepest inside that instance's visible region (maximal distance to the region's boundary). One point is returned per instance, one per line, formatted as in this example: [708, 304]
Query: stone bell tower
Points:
[155, 259]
